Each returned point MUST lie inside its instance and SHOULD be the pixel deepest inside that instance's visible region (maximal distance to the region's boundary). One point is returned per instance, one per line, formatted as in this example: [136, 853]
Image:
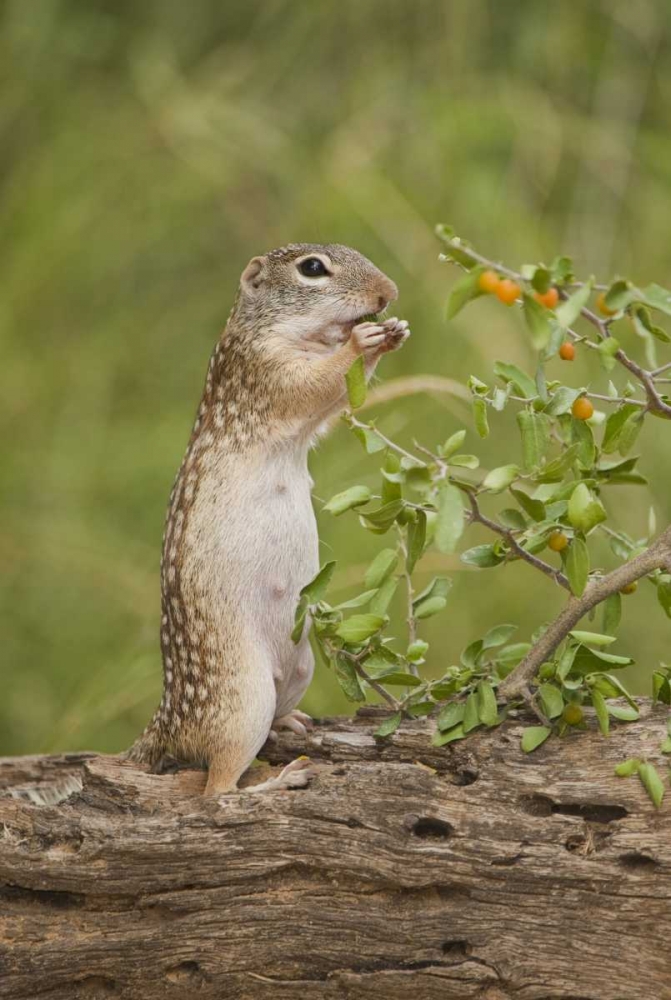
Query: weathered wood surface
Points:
[473, 871]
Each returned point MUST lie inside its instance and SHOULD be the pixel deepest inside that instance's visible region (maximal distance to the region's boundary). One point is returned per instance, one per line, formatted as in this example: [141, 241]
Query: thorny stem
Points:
[355, 658]
[412, 621]
[657, 556]
[476, 515]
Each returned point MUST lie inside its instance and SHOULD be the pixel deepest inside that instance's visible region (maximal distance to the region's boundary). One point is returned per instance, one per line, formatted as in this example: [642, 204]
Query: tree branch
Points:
[476, 515]
[657, 556]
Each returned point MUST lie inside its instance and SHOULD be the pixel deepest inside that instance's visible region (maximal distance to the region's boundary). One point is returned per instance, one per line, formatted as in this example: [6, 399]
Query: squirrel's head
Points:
[312, 291]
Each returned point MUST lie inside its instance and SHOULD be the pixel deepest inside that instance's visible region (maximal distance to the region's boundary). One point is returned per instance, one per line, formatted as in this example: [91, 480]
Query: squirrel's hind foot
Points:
[298, 722]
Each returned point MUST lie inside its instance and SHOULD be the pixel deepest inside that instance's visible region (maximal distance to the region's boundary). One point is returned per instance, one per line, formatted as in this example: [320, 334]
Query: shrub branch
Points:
[657, 556]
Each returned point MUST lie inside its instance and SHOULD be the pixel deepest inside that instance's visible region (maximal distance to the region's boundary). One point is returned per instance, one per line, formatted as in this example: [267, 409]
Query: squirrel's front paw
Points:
[368, 338]
[396, 332]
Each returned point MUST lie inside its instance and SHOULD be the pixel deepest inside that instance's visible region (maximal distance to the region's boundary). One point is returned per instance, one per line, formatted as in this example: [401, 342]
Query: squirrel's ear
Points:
[253, 275]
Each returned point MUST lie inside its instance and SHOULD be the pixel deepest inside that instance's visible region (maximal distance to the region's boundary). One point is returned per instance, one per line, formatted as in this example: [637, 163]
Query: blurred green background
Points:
[150, 149]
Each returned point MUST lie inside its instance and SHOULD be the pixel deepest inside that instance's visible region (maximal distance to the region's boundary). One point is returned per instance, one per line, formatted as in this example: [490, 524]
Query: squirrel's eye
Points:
[312, 267]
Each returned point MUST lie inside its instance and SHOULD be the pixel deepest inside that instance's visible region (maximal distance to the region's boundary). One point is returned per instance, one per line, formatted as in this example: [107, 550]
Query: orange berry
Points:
[573, 714]
[508, 291]
[602, 306]
[548, 299]
[488, 282]
[630, 588]
[582, 409]
[557, 541]
[567, 351]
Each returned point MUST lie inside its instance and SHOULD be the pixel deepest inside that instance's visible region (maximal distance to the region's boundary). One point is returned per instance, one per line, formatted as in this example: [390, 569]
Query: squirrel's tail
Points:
[150, 747]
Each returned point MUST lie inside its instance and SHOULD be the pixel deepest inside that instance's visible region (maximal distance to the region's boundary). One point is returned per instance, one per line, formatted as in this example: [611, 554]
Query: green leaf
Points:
[534, 508]
[607, 349]
[439, 739]
[601, 709]
[583, 437]
[450, 521]
[561, 401]
[480, 416]
[537, 320]
[401, 678]
[631, 428]
[620, 294]
[431, 606]
[499, 479]
[657, 298]
[652, 782]
[522, 382]
[592, 638]
[299, 619]
[383, 517]
[355, 602]
[471, 713]
[645, 327]
[487, 710]
[463, 292]
[535, 430]
[440, 586]
[371, 441]
[568, 311]
[614, 426]
[585, 510]
[465, 461]
[416, 540]
[355, 496]
[382, 566]
[624, 713]
[533, 736]
[358, 628]
[627, 767]
[551, 700]
[416, 651]
[347, 678]
[451, 715]
[511, 518]
[577, 566]
[317, 587]
[483, 556]
[452, 445]
[612, 612]
[389, 725]
[664, 595]
[565, 663]
[498, 635]
[355, 380]
[383, 598]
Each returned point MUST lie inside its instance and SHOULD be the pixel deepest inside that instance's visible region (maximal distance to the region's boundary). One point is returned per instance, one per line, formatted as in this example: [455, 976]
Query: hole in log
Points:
[353, 823]
[506, 862]
[96, 985]
[58, 899]
[184, 972]
[635, 860]
[467, 776]
[593, 812]
[456, 949]
[428, 827]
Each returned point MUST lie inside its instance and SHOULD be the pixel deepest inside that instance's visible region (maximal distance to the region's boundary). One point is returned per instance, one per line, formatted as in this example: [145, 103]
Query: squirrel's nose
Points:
[390, 293]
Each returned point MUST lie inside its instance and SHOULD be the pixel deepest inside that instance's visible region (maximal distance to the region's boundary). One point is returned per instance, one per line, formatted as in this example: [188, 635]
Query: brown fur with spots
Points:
[240, 538]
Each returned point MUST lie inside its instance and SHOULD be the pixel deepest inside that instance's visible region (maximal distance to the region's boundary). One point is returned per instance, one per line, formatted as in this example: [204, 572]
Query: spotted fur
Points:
[240, 536]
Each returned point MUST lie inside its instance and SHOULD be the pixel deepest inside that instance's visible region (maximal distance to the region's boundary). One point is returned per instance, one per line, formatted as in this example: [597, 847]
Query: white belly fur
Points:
[253, 532]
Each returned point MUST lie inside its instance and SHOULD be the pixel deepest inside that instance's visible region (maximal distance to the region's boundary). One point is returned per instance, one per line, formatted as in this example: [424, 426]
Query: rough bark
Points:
[471, 871]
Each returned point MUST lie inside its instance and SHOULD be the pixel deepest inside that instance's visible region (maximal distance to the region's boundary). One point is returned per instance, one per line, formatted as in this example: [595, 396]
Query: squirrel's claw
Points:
[298, 722]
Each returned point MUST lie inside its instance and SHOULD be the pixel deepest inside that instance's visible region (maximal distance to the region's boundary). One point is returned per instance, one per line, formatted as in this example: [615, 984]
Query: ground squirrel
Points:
[240, 537]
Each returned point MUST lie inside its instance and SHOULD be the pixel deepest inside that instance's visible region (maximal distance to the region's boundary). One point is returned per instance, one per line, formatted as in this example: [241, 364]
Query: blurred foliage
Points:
[150, 149]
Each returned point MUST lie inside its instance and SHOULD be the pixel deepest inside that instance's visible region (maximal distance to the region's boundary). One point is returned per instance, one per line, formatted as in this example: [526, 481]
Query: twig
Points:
[355, 660]
[657, 556]
[412, 621]
[477, 516]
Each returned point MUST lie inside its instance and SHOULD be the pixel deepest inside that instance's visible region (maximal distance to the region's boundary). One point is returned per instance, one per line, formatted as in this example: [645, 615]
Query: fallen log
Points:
[469, 871]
